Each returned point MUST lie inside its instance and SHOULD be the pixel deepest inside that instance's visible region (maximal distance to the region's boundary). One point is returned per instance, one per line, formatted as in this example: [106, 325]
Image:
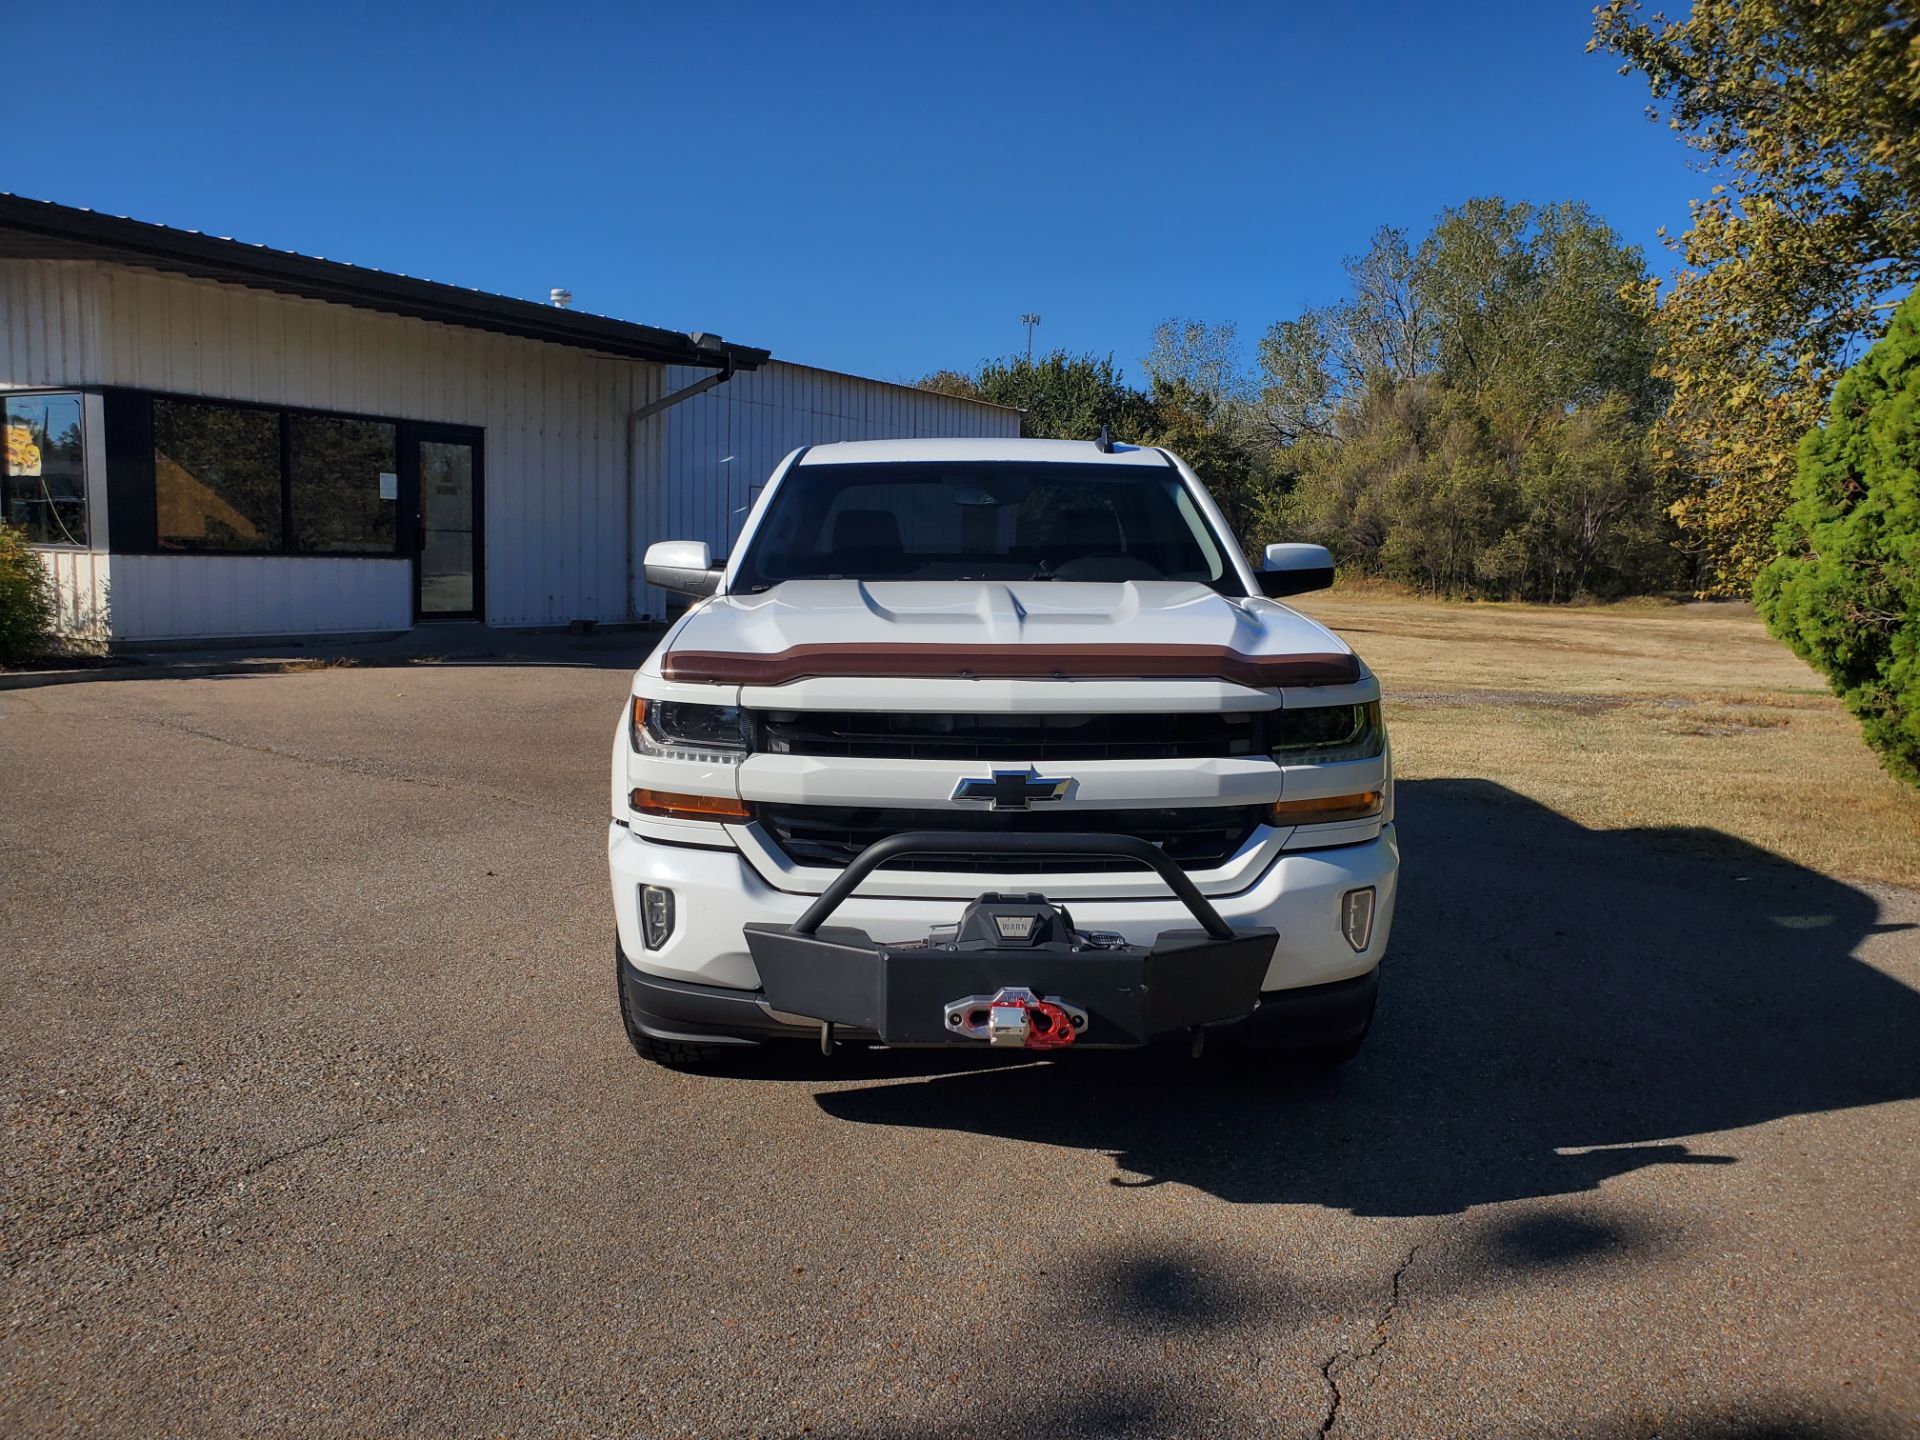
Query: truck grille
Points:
[1032, 738]
[1197, 838]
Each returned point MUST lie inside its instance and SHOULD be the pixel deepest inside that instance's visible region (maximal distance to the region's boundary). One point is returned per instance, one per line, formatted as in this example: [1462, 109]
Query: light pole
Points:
[1029, 320]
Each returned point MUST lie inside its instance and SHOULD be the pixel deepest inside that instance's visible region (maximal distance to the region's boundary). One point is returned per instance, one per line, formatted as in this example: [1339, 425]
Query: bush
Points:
[1454, 494]
[26, 599]
[1845, 592]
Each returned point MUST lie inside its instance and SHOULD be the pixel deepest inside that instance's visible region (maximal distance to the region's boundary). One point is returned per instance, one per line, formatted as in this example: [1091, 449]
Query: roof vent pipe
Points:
[562, 299]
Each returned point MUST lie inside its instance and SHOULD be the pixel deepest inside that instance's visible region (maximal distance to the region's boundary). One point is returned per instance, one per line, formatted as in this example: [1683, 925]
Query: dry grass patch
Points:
[1687, 719]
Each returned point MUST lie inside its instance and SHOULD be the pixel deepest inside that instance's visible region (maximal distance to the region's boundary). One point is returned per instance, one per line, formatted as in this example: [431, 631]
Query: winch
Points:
[1013, 971]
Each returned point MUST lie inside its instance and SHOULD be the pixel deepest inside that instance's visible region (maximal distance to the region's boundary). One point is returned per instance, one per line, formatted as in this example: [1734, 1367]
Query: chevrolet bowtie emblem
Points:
[1012, 789]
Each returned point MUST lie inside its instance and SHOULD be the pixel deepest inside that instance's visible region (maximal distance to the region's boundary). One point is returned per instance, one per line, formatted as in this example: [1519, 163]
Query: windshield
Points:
[925, 520]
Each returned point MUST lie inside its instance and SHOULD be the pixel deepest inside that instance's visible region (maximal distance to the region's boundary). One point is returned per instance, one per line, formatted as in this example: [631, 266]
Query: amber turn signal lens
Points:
[687, 807]
[1324, 808]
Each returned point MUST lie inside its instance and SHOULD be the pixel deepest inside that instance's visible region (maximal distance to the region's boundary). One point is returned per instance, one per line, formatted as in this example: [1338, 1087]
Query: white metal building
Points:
[207, 439]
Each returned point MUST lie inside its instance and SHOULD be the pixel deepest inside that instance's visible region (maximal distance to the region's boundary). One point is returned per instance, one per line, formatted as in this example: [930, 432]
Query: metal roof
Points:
[42, 230]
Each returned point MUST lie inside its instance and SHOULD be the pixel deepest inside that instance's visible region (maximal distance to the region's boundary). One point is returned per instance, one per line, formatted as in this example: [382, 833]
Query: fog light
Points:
[1356, 917]
[656, 915]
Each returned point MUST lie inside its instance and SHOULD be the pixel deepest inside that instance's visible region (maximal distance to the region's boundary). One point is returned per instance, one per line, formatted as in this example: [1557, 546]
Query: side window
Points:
[44, 486]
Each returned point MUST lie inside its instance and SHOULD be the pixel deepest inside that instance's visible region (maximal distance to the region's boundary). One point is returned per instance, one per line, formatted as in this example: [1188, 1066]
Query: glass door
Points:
[447, 573]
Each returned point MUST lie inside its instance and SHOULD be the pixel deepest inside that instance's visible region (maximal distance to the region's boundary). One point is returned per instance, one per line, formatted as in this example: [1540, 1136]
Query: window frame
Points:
[87, 462]
[131, 477]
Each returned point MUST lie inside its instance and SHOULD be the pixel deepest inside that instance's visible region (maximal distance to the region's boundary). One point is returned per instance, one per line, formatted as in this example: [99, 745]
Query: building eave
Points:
[42, 230]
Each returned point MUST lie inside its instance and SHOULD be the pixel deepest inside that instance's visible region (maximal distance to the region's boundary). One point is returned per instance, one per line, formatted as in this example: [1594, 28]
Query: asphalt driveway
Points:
[319, 1120]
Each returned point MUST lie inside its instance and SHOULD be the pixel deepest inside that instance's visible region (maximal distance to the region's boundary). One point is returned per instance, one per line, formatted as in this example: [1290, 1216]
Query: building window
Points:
[228, 477]
[216, 477]
[44, 488]
[346, 483]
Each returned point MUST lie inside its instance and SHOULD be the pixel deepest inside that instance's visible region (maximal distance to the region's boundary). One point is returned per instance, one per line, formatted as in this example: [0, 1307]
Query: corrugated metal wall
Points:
[719, 449]
[80, 589]
[558, 524]
[49, 321]
[183, 597]
[555, 418]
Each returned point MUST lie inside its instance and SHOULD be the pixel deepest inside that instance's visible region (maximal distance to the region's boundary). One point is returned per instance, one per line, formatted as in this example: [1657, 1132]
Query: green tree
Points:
[1380, 334]
[1808, 115]
[1845, 594]
[951, 382]
[1472, 417]
[1589, 497]
[1299, 396]
[1342, 491]
[1450, 508]
[1203, 431]
[1206, 358]
[1062, 396]
[1525, 304]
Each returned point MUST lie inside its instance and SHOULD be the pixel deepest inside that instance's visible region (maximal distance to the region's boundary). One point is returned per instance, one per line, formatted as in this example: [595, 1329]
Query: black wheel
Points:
[674, 1054]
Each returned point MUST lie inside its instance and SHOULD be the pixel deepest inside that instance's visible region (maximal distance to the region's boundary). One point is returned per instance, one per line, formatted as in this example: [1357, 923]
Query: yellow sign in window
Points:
[23, 455]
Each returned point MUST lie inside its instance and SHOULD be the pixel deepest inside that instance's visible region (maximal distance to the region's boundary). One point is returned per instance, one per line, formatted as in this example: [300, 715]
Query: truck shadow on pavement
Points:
[1557, 1007]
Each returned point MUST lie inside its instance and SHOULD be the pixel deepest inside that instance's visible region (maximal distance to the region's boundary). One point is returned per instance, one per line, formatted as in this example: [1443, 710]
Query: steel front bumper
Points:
[715, 1015]
[1016, 971]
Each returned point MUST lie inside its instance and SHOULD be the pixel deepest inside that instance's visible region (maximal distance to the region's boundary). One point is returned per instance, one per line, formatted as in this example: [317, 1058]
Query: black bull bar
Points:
[903, 990]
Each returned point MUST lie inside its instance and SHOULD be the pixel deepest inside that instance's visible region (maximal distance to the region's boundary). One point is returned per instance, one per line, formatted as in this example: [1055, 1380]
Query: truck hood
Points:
[806, 629]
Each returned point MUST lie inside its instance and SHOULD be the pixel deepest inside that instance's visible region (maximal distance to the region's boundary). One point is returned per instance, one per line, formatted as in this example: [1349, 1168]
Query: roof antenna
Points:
[1105, 443]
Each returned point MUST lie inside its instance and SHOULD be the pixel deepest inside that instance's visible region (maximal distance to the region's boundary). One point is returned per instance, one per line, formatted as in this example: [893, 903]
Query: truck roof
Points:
[884, 452]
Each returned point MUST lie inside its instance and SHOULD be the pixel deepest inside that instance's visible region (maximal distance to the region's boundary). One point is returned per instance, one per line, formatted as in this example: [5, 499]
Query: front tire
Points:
[672, 1054]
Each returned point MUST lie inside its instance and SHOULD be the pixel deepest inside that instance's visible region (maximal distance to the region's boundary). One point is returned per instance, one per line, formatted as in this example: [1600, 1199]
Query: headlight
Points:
[681, 731]
[1314, 733]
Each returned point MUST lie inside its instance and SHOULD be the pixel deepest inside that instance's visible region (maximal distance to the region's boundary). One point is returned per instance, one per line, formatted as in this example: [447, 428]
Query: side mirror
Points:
[1295, 569]
[682, 565]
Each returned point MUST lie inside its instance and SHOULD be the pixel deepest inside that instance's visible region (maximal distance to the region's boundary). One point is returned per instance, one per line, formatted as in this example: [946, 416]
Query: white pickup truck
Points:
[1002, 743]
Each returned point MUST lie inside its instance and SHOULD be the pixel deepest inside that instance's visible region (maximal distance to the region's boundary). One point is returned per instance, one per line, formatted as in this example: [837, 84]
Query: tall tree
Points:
[1381, 333]
[1299, 396]
[1385, 327]
[1808, 115]
[1846, 592]
[1063, 396]
[1525, 303]
[1472, 417]
[1204, 357]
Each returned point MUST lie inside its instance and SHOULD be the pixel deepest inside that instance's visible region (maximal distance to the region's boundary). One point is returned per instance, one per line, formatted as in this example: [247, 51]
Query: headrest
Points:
[866, 530]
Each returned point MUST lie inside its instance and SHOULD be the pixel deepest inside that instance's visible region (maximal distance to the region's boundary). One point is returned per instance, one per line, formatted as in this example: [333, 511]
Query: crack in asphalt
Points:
[1382, 1333]
[191, 1192]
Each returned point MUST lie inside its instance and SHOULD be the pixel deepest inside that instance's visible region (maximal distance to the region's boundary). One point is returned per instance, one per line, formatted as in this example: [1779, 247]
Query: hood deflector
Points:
[995, 662]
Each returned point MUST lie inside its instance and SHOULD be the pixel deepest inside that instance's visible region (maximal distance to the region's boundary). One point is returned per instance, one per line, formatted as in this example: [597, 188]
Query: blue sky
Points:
[875, 188]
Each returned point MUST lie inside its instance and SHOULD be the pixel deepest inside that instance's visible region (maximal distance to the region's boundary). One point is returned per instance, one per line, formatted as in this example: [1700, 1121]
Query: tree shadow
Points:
[1559, 1006]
